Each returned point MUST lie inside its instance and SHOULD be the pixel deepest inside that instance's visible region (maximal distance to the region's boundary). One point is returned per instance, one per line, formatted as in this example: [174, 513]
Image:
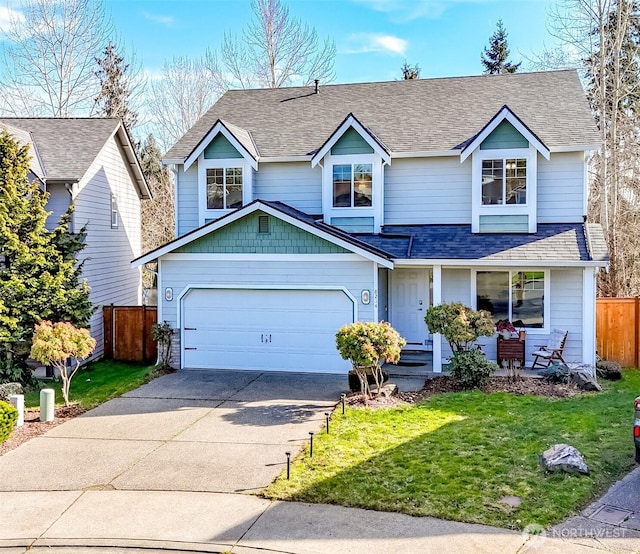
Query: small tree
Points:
[56, 343]
[461, 327]
[494, 57]
[368, 346]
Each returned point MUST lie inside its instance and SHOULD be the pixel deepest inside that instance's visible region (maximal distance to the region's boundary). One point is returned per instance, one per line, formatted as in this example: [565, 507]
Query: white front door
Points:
[409, 302]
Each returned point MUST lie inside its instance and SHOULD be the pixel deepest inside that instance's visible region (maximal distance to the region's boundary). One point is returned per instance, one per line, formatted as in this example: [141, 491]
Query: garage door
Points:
[281, 330]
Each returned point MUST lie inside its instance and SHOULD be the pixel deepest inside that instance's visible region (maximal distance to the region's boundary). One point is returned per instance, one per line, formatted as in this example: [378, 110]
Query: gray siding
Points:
[427, 190]
[565, 306]
[353, 224]
[295, 184]
[187, 199]
[109, 251]
[58, 204]
[354, 275]
[561, 188]
[504, 223]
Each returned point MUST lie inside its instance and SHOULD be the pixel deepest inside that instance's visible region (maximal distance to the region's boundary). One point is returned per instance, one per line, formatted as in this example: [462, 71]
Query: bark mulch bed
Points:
[33, 427]
[442, 384]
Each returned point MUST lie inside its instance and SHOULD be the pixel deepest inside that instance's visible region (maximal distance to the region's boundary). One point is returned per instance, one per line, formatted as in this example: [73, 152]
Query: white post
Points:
[47, 404]
[17, 401]
[589, 318]
[437, 337]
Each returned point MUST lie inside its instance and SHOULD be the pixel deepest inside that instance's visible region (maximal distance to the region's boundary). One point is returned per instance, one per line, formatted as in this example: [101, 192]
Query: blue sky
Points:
[373, 37]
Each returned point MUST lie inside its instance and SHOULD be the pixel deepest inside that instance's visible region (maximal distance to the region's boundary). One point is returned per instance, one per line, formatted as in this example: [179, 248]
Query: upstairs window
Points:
[224, 188]
[353, 186]
[504, 181]
[114, 212]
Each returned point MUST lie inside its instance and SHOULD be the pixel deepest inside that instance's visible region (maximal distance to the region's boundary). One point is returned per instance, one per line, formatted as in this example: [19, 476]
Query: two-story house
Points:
[302, 209]
[91, 162]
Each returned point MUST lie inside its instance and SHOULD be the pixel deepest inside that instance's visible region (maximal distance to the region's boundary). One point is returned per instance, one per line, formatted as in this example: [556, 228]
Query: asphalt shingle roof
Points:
[407, 116]
[66, 146]
[565, 242]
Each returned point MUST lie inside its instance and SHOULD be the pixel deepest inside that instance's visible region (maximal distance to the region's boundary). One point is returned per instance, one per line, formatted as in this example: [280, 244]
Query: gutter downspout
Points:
[174, 170]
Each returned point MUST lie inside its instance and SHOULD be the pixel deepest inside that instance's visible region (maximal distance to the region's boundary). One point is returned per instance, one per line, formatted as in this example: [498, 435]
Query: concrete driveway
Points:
[214, 431]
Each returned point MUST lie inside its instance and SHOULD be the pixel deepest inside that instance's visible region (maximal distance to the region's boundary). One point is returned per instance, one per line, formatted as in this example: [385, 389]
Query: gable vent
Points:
[263, 224]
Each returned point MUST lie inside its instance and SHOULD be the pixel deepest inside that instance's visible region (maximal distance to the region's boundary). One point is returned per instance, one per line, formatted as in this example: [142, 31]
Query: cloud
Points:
[166, 20]
[408, 10]
[375, 42]
[7, 15]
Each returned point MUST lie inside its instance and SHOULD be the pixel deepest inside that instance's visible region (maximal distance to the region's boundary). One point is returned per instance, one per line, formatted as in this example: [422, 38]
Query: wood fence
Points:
[127, 333]
[618, 330]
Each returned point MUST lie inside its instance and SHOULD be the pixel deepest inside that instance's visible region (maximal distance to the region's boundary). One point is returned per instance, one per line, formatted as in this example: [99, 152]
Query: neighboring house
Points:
[92, 163]
[300, 210]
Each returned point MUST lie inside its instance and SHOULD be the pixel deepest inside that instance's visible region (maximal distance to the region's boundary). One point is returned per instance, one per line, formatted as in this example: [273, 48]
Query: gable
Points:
[221, 148]
[505, 135]
[351, 142]
[242, 237]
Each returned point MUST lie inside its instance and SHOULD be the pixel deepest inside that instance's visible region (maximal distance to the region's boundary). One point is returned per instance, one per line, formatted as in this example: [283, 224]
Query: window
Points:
[114, 212]
[514, 295]
[504, 181]
[224, 188]
[352, 185]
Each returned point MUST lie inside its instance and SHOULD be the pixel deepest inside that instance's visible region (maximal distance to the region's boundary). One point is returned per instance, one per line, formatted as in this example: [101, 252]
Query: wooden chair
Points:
[552, 350]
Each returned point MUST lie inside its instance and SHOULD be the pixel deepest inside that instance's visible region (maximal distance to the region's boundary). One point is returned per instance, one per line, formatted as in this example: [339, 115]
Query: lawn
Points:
[454, 456]
[96, 383]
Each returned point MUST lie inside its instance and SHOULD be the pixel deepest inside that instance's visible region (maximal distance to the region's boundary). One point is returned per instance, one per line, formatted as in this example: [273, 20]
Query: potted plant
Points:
[505, 328]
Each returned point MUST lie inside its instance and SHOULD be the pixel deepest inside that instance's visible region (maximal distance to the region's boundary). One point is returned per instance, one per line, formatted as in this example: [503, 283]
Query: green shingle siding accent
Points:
[221, 148]
[242, 237]
[504, 135]
[353, 224]
[504, 223]
[351, 143]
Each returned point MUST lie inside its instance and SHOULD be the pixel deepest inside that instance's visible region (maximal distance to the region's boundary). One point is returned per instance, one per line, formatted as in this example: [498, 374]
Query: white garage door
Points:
[281, 330]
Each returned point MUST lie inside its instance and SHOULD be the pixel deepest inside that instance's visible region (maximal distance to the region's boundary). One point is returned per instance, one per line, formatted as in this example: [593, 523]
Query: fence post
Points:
[144, 333]
[107, 319]
[636, 334]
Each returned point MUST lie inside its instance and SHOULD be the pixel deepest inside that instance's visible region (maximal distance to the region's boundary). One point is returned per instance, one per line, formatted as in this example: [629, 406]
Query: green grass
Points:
[96, 383]
[456, 455]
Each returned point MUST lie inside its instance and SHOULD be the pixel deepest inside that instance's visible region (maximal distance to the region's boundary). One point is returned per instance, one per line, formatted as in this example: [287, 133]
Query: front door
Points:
[409, 302]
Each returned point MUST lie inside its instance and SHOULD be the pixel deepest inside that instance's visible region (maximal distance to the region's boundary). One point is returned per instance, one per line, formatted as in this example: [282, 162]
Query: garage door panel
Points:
[290, 330]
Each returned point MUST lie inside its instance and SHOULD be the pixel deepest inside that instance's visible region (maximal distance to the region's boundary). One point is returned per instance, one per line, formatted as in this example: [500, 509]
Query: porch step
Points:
[413, 358]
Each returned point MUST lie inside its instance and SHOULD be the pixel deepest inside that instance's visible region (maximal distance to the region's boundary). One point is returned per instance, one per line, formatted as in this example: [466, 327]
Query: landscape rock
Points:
[387, 390]
[585, 381]
[562, 457]
[8, 389]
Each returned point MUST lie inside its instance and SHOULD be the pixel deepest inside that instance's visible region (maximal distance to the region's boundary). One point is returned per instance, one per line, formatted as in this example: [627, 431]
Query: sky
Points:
[373, 37]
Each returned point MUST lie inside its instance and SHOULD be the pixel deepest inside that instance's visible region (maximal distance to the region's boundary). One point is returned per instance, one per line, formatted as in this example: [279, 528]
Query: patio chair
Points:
[552, 350]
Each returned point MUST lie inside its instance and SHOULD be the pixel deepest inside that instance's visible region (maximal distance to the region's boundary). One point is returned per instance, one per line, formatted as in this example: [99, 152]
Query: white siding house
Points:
[395, 196]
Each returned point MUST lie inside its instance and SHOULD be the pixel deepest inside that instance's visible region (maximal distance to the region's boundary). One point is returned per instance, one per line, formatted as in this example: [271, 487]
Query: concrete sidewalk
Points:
[169, 466]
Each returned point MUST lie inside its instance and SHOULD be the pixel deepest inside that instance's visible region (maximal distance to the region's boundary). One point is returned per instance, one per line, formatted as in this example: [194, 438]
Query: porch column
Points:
[589, 317]
[437, 299]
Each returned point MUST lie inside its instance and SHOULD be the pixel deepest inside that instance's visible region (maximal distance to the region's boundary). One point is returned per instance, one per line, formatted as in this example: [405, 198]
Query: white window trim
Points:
[204, 213]
[530, 208]
[376, 210]
[546, 329]
[115, 216]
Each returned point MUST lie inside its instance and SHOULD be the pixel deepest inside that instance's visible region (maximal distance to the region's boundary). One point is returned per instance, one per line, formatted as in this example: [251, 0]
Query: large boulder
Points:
[562, 457]
[584, 380]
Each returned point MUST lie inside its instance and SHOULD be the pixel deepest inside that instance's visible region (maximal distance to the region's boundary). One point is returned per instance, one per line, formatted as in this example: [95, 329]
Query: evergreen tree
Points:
[494, 57]
[113, 99]
[36, 278]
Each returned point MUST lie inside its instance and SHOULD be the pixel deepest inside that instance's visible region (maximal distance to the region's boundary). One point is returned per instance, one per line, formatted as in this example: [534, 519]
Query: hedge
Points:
[8, 418]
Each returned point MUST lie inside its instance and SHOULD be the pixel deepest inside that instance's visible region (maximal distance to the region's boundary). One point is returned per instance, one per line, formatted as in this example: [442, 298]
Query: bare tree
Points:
[48, 57]
[276, 50]
[606, 36]
[177, 99]
[410, 72]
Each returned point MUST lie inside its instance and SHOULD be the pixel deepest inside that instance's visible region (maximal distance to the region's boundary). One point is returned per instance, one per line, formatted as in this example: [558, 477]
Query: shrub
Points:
[471, 368]
[58, 343]
[7, 389]
[15, 370]
[369, 345]
[8, 418]
[162, 334]
[459, 325]
[612, 371]
[555, 373]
